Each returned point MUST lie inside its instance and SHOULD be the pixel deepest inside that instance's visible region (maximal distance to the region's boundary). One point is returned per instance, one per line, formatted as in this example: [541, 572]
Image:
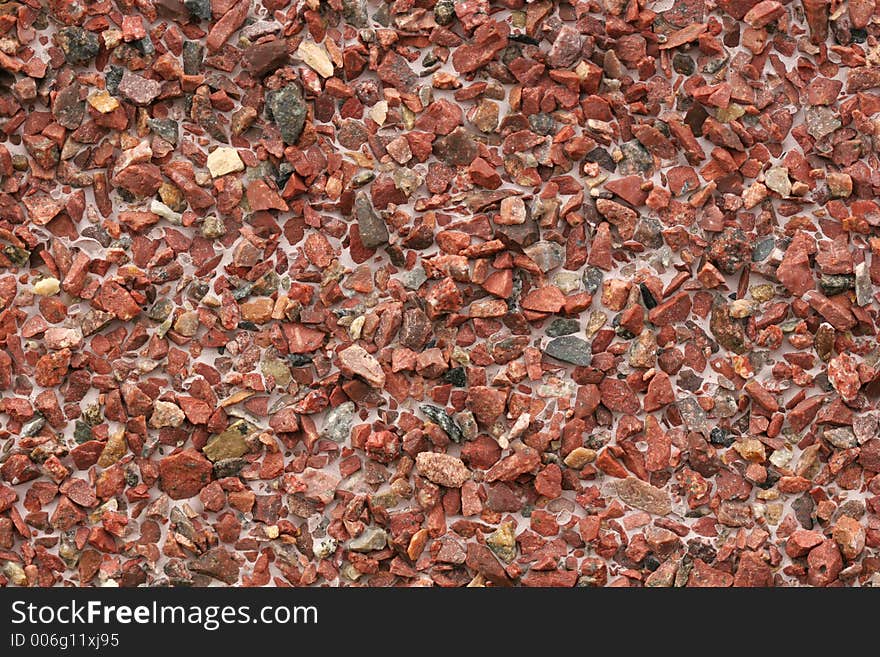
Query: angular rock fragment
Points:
[288, 111]
[442, 469]
[337, 424]
[371, 228]
[264, 58]
[223, 160]
[184, 474]
[445, 422]
[358, 361]
[642, 495]
[138, 90]
[569, 349]
[79, 45]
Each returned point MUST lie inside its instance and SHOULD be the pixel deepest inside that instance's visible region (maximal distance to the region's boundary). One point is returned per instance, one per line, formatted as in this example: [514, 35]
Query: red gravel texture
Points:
[413, 293]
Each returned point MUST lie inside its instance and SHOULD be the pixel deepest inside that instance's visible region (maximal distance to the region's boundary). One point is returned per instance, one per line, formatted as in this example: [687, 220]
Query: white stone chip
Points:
[224, 160]
[46, 287]
[316, 57]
